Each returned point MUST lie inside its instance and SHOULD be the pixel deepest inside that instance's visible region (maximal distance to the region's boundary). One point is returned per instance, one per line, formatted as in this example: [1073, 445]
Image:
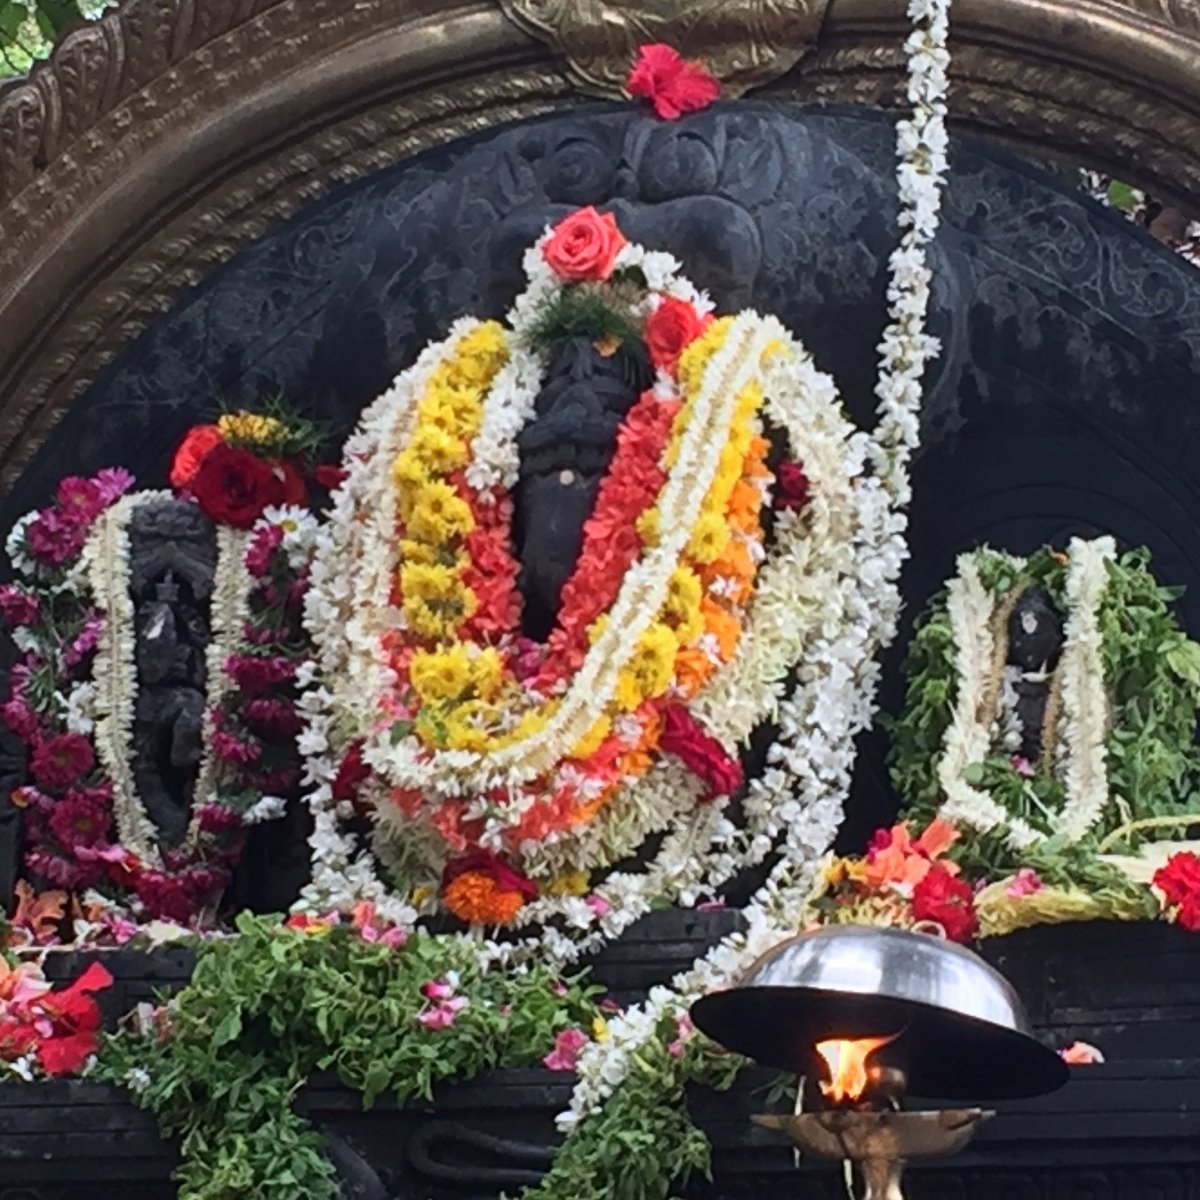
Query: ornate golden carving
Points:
[163, 138]
[745, 42]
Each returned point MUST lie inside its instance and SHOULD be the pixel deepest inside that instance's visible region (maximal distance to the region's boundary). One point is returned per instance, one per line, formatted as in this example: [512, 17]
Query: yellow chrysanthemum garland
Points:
[434, 598]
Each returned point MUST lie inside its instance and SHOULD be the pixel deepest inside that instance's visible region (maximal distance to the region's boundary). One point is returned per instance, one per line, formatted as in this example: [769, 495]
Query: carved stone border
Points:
[162, 139]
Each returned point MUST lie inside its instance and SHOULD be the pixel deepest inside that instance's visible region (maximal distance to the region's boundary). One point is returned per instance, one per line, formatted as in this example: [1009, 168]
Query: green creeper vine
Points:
[1152, 671]
[270, 1007]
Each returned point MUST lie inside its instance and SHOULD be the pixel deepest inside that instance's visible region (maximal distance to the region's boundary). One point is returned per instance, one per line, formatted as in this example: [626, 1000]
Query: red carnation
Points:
[233, 487]
[1179, 882]
[674, 86]
[672, 327]
[791, 486]
[193, 450]
[483, 862]
[704, 756]
[61, 760]
[948, 901]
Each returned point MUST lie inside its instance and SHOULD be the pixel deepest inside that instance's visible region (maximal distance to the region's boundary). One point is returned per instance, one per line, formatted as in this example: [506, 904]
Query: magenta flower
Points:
[598, 904]
[1024, 883]
[443, 1015]
[437, 989]
[233, 750]
[86, 642]
[1022, 766]
[113, 483]
[59, 761]
[684, 1031]
[567, 1046]
[17, 606]
[80, 500]
[266, 540]
[53, 538]
[20, 716]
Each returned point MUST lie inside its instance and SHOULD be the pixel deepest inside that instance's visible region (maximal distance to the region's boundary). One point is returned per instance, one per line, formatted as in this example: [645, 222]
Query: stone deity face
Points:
[564, 454]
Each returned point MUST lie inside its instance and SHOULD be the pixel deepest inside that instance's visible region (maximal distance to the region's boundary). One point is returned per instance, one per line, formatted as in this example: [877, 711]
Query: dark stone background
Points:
[1064, 402]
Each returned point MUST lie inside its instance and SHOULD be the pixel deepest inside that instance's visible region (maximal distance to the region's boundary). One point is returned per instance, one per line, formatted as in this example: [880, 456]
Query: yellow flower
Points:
[467, 726]
[455, 411]
[429, 622]
[437, 450]
[487, 672]
[647, 527]
[590, 742]
[596, 629]
[573, 883]
[251, 429]
[441, 674]
[421, 893]
[600, 1029]
[694, 359]
[688, 628]
[628, 693]
[684, 592]
[417, 552]
[709, 538]
[651, 668]
[439, 514]
[429, 582]
[481, 354]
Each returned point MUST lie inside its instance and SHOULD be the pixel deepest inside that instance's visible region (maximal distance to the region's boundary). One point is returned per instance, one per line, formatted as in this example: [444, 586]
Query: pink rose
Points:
[584, 246]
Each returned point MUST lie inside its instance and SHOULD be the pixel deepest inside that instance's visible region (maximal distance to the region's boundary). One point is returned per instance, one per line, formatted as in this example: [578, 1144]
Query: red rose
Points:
[584, 245]
[193, 450]
[294, 489]
[673, 85]
[704, 756]
[948, 901]
[61, 760]
[672, 327]
[1179, 880]
[233, 487]
[791, 486]
[506, 878]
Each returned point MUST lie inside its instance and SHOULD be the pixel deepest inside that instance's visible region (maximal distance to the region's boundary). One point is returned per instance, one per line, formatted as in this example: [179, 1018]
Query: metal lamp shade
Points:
[963, 1033]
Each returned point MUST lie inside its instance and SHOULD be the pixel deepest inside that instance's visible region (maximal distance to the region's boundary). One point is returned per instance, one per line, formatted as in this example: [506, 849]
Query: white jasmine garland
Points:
[1085, 718]
[106, 559]
[817, 740]
[1081, 762]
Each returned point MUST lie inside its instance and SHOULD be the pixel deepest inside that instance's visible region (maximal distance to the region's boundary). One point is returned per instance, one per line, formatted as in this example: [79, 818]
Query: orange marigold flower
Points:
[692, 669]
[476, 898]
[726, 628]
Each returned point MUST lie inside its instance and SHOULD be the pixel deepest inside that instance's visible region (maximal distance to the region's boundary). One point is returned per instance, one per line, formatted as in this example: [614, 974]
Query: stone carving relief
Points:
[745, 42]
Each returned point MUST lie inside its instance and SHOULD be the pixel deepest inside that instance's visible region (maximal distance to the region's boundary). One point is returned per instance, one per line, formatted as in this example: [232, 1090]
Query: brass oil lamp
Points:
[874, 1015]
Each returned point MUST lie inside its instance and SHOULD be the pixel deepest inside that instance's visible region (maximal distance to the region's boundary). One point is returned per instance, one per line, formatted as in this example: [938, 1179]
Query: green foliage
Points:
[268, 1008]
[1152, 670]
[29, 28]
[598, 312]
[642, 1141]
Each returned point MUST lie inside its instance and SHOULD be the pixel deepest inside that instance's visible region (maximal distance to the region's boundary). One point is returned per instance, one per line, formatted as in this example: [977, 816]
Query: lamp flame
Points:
[847, 1062]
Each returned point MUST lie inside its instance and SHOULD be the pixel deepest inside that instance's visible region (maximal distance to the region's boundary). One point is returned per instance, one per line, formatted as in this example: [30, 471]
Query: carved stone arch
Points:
[159, 141]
